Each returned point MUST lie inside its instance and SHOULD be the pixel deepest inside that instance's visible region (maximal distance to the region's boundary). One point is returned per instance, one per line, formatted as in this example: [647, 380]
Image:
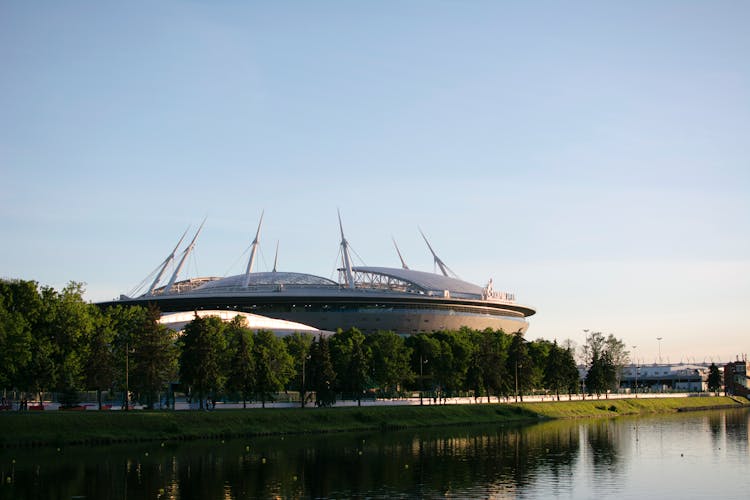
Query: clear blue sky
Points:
[592, 157]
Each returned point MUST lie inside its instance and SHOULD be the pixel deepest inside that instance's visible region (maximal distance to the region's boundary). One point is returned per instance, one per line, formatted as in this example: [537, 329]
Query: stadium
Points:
[402, 300]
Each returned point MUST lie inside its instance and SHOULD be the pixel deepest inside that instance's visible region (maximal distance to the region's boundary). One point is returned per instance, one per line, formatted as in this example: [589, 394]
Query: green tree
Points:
[452, 364]
[100, 367]
[273, 364]
[202, 357]
[714, 379]
[321, 373]
[15, 343]
[126, 321]
[520, 364]
[560, 372]
[491, 359]
[352, 362]
[154, 358]
[299, 345]
[241, 376]
[618, 356]
[602, 356]
[390, 361]
[539, 350]
[570, 369]
[425, 352]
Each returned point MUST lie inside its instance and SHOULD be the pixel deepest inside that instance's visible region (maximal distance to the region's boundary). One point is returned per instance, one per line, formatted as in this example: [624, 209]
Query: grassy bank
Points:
[56, 428]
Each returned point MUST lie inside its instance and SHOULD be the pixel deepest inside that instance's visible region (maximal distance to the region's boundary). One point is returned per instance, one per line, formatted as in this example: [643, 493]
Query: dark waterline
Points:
[695, 455]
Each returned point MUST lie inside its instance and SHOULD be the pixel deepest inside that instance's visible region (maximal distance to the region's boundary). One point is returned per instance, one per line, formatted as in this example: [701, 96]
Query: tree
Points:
[126, 322]
[298, 345]
[241, 376]
[618, 355]
[202, 355]
[321, 373]
[99, 368]
[714, 379]
[154, 358]
[15, 343]
[604, 358]
[351, 361]
[425, 351]
[273, 364]
[520, 364]
[453, 362]
[390, 361]
[570, 369]
[68, 323]
[491, 357]
[554, 370]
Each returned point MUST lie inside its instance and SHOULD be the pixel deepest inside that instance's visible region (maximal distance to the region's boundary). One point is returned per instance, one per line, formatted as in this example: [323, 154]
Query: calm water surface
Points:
[691, 455]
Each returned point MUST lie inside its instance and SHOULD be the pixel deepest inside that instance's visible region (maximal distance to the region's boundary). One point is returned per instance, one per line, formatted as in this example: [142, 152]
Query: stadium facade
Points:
[403, 300]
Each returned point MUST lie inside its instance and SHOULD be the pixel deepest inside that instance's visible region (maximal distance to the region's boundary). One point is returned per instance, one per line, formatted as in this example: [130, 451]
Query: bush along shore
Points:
[58, 428]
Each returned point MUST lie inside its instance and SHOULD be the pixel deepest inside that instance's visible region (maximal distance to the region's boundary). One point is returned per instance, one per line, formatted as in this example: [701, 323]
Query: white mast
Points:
[403, 263]
[443, 268]
[185, 254]
[254, 251]
[345, 256]
[276, 257]
[166, 262]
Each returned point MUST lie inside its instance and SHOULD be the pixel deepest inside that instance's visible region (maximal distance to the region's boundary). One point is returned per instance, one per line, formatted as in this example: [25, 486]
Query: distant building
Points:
[735, 378]
[665, 377]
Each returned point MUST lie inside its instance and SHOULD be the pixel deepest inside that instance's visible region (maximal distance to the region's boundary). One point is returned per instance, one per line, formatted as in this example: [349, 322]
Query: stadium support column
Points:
[346, 257]
[253, 251]
[184, 258]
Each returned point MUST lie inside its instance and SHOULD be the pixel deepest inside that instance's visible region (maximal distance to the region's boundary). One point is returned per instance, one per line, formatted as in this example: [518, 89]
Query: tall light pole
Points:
[303, 392]
[635, 365]
[658, 339]
[127, 375]
[421, 378]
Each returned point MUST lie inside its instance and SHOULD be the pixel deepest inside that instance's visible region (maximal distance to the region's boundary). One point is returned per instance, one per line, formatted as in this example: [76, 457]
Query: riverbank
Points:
[63, 428]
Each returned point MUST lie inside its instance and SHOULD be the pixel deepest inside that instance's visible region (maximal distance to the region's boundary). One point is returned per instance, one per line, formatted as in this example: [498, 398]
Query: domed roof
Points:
[244, 282]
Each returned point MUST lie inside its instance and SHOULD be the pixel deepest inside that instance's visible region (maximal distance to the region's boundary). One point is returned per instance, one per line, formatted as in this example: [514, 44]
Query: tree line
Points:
[53, 341]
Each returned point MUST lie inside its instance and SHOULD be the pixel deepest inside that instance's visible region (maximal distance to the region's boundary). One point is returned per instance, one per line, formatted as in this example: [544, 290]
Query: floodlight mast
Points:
[253, 251]
[443, 268]
[185, 254]
[403, 263]
[166, 263]
[276, 256]
[345, 256]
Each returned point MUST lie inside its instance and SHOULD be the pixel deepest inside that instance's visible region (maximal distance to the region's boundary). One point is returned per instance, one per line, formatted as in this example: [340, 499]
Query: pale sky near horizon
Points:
[591, 157]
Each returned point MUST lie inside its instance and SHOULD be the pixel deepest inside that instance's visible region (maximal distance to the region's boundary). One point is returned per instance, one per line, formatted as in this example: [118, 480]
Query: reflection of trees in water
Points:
[604, 441]
[716, 425]
[424, 463]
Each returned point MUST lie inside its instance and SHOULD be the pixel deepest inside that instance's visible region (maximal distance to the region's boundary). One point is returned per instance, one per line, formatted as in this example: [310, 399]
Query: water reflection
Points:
[564, 458]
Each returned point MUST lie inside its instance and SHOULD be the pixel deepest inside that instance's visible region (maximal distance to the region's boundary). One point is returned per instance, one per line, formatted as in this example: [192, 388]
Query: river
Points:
[686, 455]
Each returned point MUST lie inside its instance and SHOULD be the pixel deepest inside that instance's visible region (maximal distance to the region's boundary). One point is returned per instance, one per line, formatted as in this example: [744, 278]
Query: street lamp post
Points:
[421, 378]
[517, 381]
[127, 375]
[658, 339]
[303, 393]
